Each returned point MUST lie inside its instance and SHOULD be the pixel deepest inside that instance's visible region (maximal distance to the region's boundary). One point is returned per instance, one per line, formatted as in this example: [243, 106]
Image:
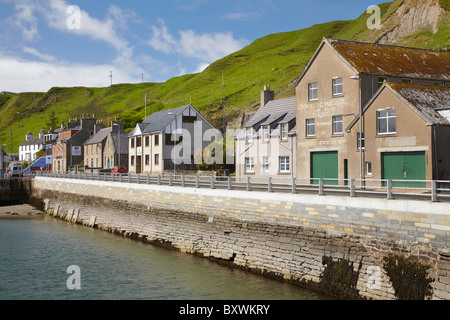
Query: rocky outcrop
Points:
[410, 17]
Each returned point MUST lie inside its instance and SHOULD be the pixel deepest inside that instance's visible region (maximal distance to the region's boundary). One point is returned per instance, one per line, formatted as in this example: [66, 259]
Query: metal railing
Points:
[430, 190]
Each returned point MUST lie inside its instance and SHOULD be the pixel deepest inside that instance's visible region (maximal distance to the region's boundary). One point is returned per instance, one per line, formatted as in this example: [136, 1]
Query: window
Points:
[132, 160]
[157, 140]
[132, 142]
[381, 80]
[386, 121]
[147, 159]
[284, 164]
[248, 134]
[313, 91]
[138, 142]
[337, 125]
[266, 164]
[156, 159]
[310, 127]
[337, 87]
[266, 133]
[362, 141]
[369, 168]
[249, 165]
[284, 131]
[147, 141]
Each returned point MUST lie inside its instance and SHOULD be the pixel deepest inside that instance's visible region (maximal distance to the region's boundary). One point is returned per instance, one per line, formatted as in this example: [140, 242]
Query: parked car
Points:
[119, 169]
[14, 170]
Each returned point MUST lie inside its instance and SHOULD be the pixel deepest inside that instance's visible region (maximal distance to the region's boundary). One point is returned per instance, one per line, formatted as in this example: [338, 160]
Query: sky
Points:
[67, 43]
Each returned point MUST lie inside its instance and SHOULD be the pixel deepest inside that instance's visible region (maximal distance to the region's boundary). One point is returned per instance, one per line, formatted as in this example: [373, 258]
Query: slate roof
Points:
[426, 100]
[33, 141]
[99, 136]
[159, 120]
[394, 60]
[274, 112]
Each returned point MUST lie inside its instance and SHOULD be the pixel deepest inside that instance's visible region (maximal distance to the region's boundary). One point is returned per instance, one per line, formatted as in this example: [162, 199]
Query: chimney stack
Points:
[266, 95]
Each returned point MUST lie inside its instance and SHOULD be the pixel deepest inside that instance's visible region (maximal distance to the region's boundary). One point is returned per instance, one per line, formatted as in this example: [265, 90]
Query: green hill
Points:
[276, 60]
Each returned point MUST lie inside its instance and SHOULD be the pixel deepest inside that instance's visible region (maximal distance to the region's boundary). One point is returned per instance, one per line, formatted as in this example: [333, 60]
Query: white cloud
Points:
[238, 16]
[205, 47]
[41, 76]
[25, 19]
[37, 53]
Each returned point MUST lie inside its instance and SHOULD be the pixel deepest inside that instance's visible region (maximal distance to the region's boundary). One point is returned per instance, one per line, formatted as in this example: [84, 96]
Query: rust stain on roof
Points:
[394, 60]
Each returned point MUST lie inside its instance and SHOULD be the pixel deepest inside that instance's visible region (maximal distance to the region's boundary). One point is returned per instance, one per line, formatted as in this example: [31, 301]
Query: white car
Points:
[14, 170]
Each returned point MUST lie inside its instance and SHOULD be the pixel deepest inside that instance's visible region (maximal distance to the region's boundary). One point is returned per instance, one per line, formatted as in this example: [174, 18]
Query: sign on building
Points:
[76, 151]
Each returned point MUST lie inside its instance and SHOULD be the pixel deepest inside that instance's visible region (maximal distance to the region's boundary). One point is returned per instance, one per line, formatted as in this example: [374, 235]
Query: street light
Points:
[360, 130]
[174, 143]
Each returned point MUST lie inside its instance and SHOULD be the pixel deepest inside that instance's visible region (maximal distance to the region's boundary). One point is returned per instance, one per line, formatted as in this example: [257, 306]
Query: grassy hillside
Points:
[276, 60]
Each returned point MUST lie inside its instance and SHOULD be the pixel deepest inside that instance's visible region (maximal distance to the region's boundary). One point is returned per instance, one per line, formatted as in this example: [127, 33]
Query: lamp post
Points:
[174, 143]
[360, 130]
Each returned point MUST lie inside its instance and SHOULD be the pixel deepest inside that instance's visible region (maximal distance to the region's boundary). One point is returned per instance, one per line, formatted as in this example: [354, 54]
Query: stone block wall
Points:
[337, 245]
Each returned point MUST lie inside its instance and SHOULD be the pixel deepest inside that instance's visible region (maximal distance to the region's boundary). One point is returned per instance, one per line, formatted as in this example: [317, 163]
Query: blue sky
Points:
[46, 43]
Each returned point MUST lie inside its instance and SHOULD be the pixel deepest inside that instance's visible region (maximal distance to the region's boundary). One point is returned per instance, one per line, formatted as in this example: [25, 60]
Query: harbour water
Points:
[35, 255]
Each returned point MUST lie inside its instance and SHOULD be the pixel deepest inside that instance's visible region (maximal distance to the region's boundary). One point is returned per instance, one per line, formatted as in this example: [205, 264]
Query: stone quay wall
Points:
[351, 248]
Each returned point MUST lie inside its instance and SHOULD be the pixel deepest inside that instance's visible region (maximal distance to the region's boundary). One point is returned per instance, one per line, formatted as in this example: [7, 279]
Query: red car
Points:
[119, 169]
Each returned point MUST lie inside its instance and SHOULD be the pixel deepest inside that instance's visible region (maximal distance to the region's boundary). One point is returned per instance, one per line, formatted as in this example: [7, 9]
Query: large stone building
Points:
[406, 136]
[341, 77]
[266, 147]
[152, 142]
[101, 151]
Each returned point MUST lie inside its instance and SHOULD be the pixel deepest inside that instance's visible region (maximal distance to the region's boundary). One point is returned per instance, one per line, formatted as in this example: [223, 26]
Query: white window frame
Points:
[363, 141]
[389, 116]
[311, 123]
[265, 133]
[249, 163]
[284, 164]
[283, 131]
[338, 120]
[248, 134]
[338, 87]
[369, 168]
[266, 164]
[313, 91]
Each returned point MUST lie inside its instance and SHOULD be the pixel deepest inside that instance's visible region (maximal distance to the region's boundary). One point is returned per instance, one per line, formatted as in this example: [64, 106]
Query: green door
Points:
[404, 166]
[324, 165]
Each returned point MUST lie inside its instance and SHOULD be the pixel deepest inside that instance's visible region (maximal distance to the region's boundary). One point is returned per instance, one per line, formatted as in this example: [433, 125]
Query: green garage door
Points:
[324, 165]
[404, 166]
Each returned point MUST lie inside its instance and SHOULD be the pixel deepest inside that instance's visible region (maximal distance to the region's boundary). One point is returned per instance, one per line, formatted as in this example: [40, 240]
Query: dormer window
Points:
[265, 133]
[283, 131]
[248, 134]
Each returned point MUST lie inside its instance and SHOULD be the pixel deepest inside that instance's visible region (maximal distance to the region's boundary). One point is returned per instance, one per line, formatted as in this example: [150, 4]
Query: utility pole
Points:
[224, 107]
[10, 132]
[110, 75]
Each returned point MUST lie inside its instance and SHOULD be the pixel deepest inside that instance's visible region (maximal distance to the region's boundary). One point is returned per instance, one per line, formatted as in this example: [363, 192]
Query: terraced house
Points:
[266, 147]
[107, 148]
[152, 141]
[339, 80]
